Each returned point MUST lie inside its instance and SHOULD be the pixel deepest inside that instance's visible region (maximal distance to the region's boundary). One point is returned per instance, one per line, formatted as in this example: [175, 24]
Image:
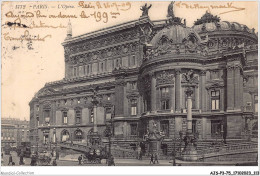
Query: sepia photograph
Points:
[129, 83]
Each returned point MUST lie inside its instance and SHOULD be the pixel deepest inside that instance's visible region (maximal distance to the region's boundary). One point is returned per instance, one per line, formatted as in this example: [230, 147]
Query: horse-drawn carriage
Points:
[42, 159]
[94, 155]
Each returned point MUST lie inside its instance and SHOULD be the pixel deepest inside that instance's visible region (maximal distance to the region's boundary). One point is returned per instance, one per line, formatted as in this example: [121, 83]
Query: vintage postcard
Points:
[129, 83]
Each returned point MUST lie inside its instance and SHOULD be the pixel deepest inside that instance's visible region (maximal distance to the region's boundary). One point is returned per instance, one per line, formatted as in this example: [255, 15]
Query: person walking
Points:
[80, 158]
[112, 161]
[151, 160]
[10, 160]
[21, 160]
[141, 155]
[156, 158]
[2, 158]
[54, 163]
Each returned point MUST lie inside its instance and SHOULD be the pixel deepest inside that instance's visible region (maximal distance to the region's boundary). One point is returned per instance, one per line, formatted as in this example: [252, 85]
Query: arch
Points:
[78, 135]
[65, 136]
[91, 131]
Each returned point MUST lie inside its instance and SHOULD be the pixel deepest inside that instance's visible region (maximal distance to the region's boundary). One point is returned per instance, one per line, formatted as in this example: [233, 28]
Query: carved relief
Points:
[165, 78]
[189, 77]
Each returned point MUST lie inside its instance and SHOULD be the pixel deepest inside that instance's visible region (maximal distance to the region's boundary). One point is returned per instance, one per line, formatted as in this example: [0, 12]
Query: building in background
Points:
[14, 131]
[141, 68]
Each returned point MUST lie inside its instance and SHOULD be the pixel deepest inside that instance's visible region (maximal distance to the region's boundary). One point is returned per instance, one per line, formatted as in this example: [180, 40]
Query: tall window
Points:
[133, 60]
[45, 139]
[108, 113]
[133, 107]
[78, 135]
[117, 63]
[65, 117]
[84, 70]
[47, 116]
[215, 100]
[75, 71]
[38, 122]
[215, 127]
[256, 103]
[164, 125]
[88, 69]
[214, 74]
[133, 85]
[165, 102]
[133, 128]
[194, 129]
[65, 136]
[78, 116]
[92, 115]
[102, 67]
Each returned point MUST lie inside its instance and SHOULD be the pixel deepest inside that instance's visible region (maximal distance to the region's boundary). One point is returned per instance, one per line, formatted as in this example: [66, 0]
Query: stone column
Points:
[197, 98]
[190, 152]
[153, 92]
[237, 101]
[203, 93]
[172, 98]
[178, 91]
[189, 110]
[95, 118]
[230, 88]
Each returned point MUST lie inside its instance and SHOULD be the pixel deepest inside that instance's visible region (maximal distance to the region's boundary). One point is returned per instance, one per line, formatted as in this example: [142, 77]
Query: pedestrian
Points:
[10, 160]
[2, 159]
[141, 155]
[151, 161]
[21, 160]
[156, 158]
[80, 158]
[112, 161]
[54, 163]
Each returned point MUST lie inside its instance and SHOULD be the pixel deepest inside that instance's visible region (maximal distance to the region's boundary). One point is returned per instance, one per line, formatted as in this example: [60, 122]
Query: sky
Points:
[27, 66]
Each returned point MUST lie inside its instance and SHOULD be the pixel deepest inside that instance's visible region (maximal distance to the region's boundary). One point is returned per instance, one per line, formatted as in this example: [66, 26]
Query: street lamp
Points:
[174, 153]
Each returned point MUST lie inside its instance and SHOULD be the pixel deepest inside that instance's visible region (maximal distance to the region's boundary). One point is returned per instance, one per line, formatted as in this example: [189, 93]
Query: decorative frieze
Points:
[165, 78]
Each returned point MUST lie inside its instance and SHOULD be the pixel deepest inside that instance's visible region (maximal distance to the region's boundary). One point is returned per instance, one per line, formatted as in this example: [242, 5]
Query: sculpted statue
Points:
[170, 10]
[189, 76]
[145, 9]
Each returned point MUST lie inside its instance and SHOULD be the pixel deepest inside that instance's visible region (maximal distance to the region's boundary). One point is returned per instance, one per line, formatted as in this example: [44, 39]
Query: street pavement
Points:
[118, 162]
[130, 162]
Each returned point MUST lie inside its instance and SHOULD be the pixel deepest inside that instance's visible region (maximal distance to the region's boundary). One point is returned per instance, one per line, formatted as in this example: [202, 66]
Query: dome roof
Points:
[223, 26]
[174, 33]
[211, 23]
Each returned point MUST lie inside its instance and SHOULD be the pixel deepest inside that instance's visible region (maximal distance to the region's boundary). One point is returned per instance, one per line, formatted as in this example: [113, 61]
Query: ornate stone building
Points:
[141, 68]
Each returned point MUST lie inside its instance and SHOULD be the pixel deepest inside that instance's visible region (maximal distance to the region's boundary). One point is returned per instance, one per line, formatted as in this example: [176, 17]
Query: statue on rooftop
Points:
[145, 9]
[170, 10]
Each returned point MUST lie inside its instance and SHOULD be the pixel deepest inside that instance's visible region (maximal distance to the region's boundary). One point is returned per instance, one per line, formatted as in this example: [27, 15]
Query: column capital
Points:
[152, 74]
[177, 71]
[189, 92]
[203, 72]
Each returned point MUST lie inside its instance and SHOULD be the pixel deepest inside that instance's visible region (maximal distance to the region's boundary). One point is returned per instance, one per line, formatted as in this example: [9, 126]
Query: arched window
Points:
[78, 135]
[65, 136]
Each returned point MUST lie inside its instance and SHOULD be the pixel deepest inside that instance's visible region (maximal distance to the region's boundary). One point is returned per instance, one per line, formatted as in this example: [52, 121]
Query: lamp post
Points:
[174, 153]
[190, 152]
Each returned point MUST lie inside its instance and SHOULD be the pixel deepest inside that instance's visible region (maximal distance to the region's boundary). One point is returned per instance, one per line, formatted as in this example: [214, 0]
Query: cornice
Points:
[105, 31]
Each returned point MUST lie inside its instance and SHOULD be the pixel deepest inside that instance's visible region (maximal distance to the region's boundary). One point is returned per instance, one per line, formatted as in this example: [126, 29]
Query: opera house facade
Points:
[140, 71]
